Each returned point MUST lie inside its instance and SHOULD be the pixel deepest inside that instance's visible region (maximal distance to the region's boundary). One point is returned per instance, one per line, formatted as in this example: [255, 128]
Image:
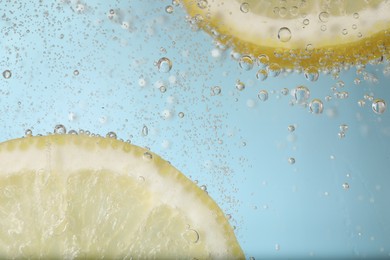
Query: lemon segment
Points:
[298, 34]
[72, 196]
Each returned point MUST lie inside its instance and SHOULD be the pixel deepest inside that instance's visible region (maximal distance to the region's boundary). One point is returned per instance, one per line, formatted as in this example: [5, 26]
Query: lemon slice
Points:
[73, 196]
[298, 33]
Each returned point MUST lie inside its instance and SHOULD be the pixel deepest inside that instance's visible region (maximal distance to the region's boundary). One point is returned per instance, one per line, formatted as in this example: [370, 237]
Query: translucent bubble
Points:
[7, 74]
[76, 72]
[147, 156]
[163, 89]
[262, 74]
[356, 15]
[246, 62]
[176, 2]
[72, 132]
[301, 94]
[191, 236]
[291, 160]
[344, 31]
[291, 128]
[142, 82]
[263, 95]
[316, 106]
[216, 90]
[306, 22]
[361, 103]
[323, 28]
[28, 133]
[203, 187]
[277, 247]
[111, 135]
[240, 85]
[274, 69]
[341, 135]
[379, 106]
[164, 65]
[202, 4]
[169, 9]
[324, 17]
[244, 7]
[181, 114]
[284, 34]
[284, 91]
[311, 73]
[145, 130]
[343, 127]
[262, 60]
[294, 11]
[59, 129]
[345, 186]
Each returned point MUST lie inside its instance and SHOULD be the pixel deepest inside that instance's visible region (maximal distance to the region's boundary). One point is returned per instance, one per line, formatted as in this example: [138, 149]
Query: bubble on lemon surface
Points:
[191, 236]
[244, 7]
[240, 85]
[311, 73]
[59, 129]
[301, 94]
[262, 60]
[316, 106]
[111, 135]
[7, 74]
[378, 106]
[202, 4]
[28, 133]
[263, 95]
[284, 34]
[147, 156]
[246, 62]
[262, 74]
[324, 17]
[274, 69]
[164, 65]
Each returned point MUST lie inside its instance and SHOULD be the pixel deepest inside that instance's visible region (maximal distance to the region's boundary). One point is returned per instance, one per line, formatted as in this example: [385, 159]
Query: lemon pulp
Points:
[74, 196]
[298, 33]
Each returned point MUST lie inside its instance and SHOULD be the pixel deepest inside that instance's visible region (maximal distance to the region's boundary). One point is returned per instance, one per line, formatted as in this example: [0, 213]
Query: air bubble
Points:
[59, 129]
[202, 4]
[324, 17]
[306, 22]
[345, 186]
[263, 95]
[145, 130]
[246, 62]
[111, 135]
[378, 106]
[163, 89]
[7, 74]
[147, 156]
[262, 60]
[181, 114]
[291, 128]
[274, 69]
[311, 73]
[343, 128]
[291, 160]
[28, 133]
[169, 9]
[302, 94]
[284, 34]
[164, 65]
[316, 106]
[191, 236]
[216, 90]
[262, 74]
[284, 91]
[240, 85]
[244, 7]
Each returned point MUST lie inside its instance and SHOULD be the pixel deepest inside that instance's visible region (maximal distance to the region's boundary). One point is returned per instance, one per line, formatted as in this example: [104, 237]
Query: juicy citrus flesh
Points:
[73, 196]
[324, 33]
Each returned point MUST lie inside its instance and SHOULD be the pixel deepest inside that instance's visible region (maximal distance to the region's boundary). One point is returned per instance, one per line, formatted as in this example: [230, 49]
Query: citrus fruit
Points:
[298, 34]
[76, 196]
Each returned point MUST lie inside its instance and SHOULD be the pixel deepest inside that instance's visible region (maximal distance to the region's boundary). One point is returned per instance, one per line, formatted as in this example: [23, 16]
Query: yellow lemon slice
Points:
[76, 196]
[298, 33]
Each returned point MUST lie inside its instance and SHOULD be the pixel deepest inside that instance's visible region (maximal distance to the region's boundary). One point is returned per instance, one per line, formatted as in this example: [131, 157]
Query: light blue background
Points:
[235, 144]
